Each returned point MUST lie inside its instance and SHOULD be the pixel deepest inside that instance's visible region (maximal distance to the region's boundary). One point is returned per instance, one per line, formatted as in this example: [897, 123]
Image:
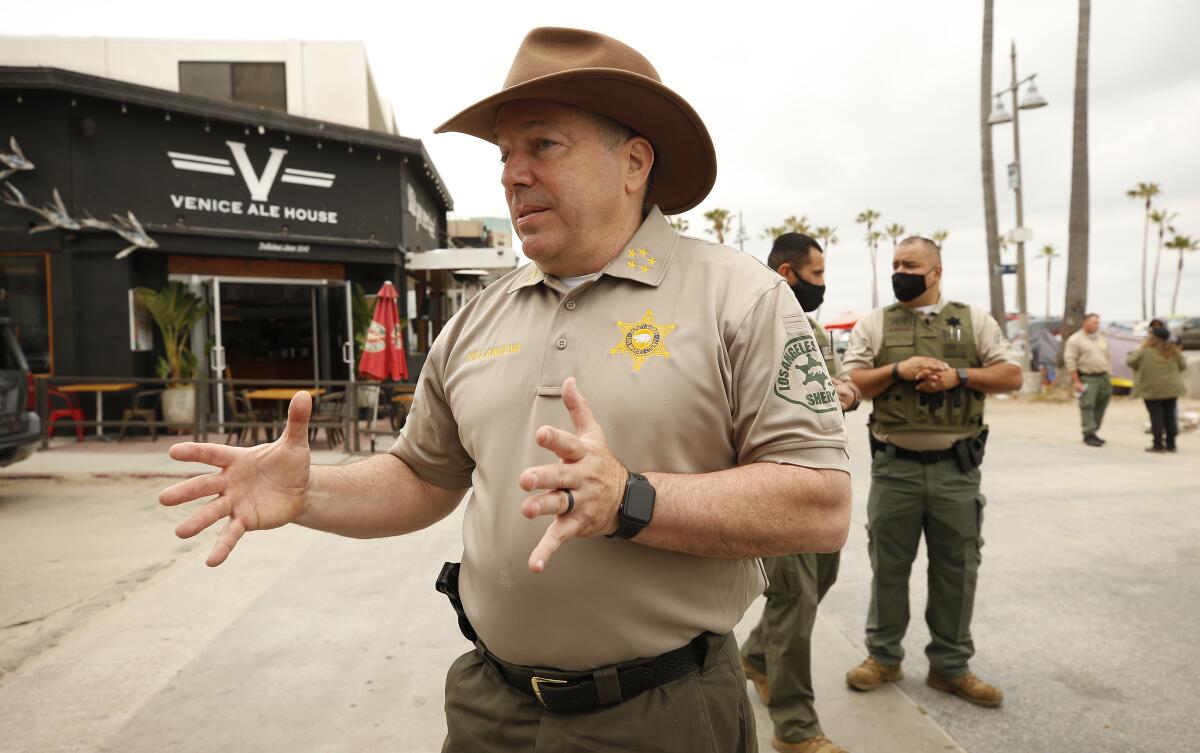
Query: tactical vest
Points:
[826, 345]
[950, 337]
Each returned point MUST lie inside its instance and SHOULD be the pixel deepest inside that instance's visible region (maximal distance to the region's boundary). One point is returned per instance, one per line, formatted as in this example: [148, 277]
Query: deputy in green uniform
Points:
[610, 543]
[777, 657]
[927, 364]
[1087, 360]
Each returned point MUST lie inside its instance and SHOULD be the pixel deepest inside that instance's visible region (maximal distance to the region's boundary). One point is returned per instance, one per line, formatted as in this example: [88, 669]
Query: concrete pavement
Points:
[114, 636]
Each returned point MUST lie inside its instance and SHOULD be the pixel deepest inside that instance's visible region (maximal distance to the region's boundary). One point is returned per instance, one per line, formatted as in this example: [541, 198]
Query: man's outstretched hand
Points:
[256, 488]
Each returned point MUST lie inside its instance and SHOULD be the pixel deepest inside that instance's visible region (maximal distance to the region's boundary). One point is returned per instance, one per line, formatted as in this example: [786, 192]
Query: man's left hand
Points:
[938, 381]
[586, 467]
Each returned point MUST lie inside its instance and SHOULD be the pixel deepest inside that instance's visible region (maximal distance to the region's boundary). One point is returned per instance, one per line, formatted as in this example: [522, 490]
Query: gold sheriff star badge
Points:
[643, 339]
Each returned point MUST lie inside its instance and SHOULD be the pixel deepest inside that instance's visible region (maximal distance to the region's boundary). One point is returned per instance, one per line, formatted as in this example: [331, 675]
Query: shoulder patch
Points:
[802, 378]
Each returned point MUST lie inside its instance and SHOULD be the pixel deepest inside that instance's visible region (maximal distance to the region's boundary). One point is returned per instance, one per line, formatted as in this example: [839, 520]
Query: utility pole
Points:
[741, 235]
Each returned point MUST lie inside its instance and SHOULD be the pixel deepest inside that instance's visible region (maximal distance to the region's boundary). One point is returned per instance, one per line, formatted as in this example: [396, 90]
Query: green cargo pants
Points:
[704, 711]
[1094, 401]
[906, 498]
[780, 646]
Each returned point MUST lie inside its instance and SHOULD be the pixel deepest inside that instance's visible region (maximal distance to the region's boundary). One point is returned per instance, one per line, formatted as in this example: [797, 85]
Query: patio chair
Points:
[240, 411]
[328, 414]
[70, 411]
[145, 408]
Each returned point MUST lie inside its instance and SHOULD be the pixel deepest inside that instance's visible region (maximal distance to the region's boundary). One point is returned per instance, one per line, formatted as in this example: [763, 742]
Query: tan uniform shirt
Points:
[1087, 354]
[694, 358]
[866, 339]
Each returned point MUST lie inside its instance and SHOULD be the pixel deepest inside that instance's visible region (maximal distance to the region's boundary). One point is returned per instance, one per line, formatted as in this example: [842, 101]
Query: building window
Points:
[257, 84]
[24, 300]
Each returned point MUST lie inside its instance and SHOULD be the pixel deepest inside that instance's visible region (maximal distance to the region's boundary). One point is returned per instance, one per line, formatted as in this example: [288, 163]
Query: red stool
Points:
[72, 412]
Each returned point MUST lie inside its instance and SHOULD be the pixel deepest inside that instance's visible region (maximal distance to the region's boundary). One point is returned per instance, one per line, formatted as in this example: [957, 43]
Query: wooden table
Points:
[99, 389]
[281, 395]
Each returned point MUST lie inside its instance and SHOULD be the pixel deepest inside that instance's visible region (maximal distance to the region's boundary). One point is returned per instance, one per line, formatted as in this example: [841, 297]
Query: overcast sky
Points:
[817, 109]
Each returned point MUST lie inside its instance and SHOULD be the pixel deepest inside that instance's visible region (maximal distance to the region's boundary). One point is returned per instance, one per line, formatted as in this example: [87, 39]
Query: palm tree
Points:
[1162, 218]
[1180, 243]
[939, 237]
[1075, 300]
[680, 223]
[995, 281]
[894, 231]
[722, 222]
[827, 235]
[1145, 191]
[868, 217]
[797, 225]
[1049, 254]
[774, 232]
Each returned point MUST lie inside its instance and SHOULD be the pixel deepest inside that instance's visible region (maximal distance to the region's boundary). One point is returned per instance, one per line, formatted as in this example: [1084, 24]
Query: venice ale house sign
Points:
[258, 183]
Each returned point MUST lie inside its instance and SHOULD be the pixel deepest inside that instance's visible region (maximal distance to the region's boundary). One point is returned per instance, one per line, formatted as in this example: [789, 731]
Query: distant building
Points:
[269, 174]
[479, 232]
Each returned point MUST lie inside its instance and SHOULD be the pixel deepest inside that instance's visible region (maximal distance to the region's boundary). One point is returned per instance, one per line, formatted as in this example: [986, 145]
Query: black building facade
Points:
[270, 217]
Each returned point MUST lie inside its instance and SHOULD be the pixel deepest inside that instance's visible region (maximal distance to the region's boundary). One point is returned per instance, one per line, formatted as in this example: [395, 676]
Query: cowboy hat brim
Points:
[685, 162]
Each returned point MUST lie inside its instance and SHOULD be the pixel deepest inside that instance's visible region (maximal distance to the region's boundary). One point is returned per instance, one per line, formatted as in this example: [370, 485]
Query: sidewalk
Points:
[139, 457]
[884, 720]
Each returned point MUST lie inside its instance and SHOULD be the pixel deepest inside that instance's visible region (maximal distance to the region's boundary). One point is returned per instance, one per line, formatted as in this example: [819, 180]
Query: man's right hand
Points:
[917, 368]
[256, 488]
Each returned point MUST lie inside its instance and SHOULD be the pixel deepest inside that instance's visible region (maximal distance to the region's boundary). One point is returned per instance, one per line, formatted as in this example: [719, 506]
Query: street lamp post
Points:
[1033, 100]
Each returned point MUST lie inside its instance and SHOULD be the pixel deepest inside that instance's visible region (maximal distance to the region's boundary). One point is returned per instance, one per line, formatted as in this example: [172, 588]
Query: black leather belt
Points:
[581, 692]
[927, 458]
[1093, 373]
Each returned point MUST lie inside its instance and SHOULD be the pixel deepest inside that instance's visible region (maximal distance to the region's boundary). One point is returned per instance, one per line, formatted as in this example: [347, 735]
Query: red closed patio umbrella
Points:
[383, 354]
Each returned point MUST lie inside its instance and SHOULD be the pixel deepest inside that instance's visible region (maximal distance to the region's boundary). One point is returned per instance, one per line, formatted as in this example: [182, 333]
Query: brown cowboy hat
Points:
[598, 73]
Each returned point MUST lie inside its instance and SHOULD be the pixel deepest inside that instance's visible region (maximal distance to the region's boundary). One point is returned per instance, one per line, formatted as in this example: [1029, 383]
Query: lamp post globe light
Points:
[1033, 99]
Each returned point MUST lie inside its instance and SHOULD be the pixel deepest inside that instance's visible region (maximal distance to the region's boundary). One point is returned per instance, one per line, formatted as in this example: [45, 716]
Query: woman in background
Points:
[1158, 367]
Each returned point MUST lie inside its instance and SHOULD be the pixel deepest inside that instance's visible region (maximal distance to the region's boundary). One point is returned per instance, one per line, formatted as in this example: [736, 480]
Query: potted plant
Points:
[175, 310]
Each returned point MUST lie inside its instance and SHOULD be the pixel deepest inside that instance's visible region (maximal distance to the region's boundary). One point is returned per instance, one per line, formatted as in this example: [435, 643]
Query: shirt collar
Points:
[644, 258]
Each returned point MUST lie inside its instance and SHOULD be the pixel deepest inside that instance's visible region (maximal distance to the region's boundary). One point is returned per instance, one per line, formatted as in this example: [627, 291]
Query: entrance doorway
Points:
[273, 328]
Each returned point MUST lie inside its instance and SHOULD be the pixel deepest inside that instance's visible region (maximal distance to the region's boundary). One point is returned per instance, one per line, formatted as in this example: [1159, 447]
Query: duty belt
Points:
[580, 692]
[928, 458]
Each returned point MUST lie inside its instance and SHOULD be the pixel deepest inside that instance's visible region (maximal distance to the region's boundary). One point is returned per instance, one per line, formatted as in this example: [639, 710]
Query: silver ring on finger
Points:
[570, 501]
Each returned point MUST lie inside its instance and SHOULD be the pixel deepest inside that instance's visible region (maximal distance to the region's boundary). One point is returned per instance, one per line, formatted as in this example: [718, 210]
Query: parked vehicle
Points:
[20, 428]
[1189, 334]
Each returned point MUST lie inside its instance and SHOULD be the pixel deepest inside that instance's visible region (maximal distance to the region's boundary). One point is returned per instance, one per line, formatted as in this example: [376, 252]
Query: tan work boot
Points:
[871, 674]
[759, 680]
[819, 744]
[968, 687]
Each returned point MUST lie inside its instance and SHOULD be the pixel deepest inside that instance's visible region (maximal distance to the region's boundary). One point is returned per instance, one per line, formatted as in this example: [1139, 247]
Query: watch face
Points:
[639, 505]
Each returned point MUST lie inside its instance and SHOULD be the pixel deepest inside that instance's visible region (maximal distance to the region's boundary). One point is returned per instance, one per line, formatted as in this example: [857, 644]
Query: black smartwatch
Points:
[637, 507]
[962, 376]
[896, 373]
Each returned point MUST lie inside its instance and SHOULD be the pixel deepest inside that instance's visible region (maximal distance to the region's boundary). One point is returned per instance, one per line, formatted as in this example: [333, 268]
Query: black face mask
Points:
[808, 295]
[908, 287]
[1162, 333]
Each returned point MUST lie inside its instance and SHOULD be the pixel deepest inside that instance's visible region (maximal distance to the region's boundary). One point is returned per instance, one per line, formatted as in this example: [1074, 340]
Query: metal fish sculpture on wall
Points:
[132, 231]
[14, 198]
[55, 215]
[14, 161]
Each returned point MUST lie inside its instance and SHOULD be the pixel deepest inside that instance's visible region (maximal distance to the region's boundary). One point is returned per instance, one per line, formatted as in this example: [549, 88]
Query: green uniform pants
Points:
[704, 711]
[781, 645]
[1094, 401]
[906, 498]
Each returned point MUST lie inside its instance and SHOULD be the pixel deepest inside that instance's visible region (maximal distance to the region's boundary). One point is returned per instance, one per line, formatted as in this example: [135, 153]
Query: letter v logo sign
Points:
[259, 185]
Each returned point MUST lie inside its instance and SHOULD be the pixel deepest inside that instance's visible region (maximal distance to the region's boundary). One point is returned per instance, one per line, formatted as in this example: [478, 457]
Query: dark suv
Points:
[20, 428]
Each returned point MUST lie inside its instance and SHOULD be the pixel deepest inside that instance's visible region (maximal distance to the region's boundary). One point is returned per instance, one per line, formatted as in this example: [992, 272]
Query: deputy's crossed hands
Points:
[256, 488]
[586, 468]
